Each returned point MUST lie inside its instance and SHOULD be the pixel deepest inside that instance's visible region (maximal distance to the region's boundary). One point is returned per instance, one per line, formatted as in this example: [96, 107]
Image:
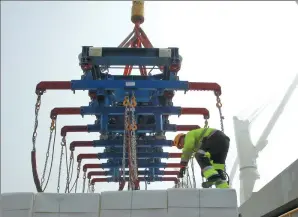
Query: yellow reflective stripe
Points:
[219, 166]
[206, 154]
[209, 172]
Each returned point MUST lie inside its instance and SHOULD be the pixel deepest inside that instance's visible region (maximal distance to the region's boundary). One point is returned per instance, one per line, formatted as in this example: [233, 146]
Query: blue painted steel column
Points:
[159, 122]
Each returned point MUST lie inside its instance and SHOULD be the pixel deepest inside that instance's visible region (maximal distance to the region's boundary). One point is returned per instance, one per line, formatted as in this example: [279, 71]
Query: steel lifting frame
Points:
[113, 85]
[154, 86]
[154, 94]
[95, 128]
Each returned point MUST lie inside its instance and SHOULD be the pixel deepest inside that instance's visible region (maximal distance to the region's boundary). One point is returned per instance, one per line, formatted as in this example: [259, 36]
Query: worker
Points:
[210, 147]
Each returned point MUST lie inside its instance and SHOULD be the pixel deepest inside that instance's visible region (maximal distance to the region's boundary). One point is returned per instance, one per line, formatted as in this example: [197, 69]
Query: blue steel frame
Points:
[149, 91]
[129, 56]
[128, 84]
[147, 143]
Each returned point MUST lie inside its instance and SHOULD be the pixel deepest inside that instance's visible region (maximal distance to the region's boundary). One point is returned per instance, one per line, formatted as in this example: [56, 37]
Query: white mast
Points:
[248, 153]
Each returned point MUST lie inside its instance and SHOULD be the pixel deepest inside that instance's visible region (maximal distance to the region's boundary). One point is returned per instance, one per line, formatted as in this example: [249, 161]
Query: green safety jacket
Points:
[192, 142]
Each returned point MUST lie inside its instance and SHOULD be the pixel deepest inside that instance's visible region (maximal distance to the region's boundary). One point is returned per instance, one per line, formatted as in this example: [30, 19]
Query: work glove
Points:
[181, 172]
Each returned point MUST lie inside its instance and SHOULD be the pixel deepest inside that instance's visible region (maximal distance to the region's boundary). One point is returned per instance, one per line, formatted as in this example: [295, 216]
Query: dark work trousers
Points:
[217, 145]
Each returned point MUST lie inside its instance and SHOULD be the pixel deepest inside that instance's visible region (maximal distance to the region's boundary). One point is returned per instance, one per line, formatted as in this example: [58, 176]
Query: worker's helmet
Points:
[177, 139]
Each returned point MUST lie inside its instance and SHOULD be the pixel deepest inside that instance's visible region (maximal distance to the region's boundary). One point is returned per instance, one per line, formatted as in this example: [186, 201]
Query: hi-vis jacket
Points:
[193, 140]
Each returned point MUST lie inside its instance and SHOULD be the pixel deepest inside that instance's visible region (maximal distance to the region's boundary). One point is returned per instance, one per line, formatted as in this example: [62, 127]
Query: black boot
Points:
[211, 181]
[223, 175]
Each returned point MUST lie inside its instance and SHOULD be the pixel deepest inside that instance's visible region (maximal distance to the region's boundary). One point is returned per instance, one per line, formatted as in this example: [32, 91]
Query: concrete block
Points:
[16, 213]
[149, 213]
[116, 200]
[80, 203]
[79, 215]
[47, 203]
[115, 213]
[46, 215]
[212, 197]
[17, 201]
[183, 212]
[274, 197]
[186, 198]
[218, 211]
[153, 199]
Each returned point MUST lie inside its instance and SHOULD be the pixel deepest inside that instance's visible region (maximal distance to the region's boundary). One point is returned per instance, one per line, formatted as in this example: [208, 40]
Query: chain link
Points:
[52, 129]
[37, 108]
[134, 140]
[84, 182]
[219, 106]
[63, 144]
[78, 175]
[34, 137]
[93, 188]
[193, 173]
[89, 186]
[126, 137]
[130, 141]
[68, 177]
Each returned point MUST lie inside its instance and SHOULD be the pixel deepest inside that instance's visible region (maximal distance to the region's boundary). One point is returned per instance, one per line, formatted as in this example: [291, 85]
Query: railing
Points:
[290, 214]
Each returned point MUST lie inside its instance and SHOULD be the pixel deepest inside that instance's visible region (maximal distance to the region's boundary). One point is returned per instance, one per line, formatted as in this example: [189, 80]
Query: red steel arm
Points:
[97, 166]
[65, 111]
[187, 127]
[174, 165]
[86, 156]
[175, 155]
[96, 173]
[171, 173]
[205, 86]
[95, 156]
[75, 128]
[84, 128]
[75, 144]
[195, 111]
[52, 85]
[163, 179]
[91, 166]
[77, 111]
[104, 173]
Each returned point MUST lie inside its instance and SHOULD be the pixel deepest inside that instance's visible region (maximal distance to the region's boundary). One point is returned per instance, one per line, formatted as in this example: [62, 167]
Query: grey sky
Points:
[249, 48]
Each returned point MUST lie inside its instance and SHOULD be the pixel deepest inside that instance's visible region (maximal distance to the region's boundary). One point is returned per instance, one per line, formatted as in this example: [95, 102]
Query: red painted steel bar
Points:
[91, 166]
[187, 127]
[74, 128]
[98, 166]
[52, 85]
[86, 156]
[75, 144]
[163, 179]
[104, 173]
[205, 86]
[175, 155]
[195, 111]
[65, 111]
